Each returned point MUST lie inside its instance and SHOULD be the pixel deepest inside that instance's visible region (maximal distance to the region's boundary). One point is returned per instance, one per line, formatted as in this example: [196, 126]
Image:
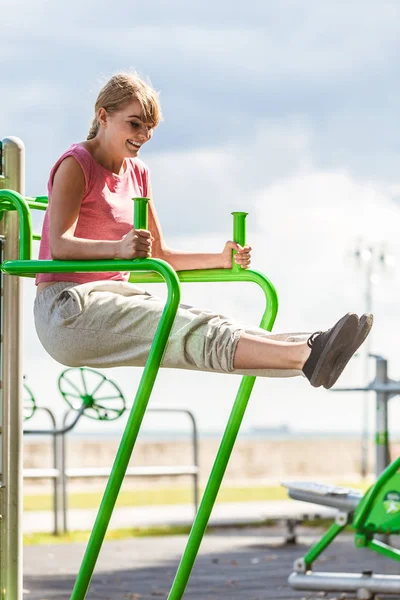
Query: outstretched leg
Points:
[322, 357]
[254, 352]
[109, 324]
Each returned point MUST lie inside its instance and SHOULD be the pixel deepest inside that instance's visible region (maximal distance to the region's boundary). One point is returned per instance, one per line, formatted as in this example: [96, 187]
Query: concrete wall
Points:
[252, 461]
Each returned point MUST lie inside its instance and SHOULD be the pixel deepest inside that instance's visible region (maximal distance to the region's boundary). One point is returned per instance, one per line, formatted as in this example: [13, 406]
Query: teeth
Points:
[134, 143]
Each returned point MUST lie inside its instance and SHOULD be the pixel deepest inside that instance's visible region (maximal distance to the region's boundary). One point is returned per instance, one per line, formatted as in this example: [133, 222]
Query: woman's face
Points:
[125, 130]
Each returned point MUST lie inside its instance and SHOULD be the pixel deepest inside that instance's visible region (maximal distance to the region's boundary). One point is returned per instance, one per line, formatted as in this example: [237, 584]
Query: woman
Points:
[102, 320]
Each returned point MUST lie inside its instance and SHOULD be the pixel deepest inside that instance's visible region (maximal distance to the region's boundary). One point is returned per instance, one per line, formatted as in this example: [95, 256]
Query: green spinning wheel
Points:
[102, 397]
[29, 403]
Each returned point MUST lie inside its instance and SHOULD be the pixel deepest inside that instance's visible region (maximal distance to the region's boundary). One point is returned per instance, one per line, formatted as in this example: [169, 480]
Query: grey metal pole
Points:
[382, 435]
[195, 461]
[64, 491]
[55, 485]
[13, 169]
[56, 480]
[56, 434]
[367, 350]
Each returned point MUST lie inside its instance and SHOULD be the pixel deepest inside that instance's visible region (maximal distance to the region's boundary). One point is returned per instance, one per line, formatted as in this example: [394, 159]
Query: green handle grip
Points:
[141, 213]
[239, 234]
[239, 227]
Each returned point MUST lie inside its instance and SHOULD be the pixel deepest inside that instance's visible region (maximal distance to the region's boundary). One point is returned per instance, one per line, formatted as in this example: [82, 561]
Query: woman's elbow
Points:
[56, 249]
[159, 251]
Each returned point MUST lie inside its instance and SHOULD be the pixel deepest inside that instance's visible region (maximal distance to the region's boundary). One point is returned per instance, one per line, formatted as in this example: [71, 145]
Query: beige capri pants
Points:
[112, 324]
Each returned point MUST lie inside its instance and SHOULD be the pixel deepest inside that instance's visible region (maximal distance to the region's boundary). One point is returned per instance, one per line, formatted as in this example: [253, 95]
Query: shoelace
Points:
[312, 338]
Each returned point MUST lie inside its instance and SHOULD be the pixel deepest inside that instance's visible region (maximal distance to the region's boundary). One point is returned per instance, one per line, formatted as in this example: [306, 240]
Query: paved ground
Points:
[233, 564]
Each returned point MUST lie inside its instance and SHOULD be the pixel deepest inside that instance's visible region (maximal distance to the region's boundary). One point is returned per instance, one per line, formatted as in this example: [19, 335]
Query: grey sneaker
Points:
[364, 327]
[330, 351]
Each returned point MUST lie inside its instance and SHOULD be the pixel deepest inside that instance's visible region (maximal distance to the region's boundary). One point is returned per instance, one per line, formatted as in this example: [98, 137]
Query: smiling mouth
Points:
[133, 144]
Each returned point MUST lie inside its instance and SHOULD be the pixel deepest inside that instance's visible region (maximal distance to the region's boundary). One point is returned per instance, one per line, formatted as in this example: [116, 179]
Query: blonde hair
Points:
[121, 89]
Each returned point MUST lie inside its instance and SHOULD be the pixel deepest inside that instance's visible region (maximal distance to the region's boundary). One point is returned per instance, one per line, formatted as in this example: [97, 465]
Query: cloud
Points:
[207, 184]
[321, 216]
[283, 110]
[331, 70]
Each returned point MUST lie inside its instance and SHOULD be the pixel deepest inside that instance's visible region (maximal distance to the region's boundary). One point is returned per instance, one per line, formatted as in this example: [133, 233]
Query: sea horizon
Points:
[258, 433]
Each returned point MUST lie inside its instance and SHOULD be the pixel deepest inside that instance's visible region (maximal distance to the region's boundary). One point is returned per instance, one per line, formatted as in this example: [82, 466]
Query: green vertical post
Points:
[136, 414]
[140, 217]
[239, 234]
[225, 450]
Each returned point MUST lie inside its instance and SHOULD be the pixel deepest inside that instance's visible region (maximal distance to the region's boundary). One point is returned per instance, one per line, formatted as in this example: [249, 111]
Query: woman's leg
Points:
[321, 357]
[109, 324]
[253, 352]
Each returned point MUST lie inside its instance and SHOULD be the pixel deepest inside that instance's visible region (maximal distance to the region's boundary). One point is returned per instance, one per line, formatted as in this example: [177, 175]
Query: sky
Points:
[286, 110]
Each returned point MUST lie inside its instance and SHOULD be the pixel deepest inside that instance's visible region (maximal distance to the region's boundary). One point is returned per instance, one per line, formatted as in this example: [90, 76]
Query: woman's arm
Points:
[67, 194]
[182, 261]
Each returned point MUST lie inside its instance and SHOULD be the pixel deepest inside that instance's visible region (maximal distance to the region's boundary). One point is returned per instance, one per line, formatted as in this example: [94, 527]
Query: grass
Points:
[35, 539]
[38, 539]
[160, 496]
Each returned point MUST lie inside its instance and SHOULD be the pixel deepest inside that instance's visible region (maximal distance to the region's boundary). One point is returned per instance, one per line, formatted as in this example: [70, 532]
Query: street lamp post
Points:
[373, 260]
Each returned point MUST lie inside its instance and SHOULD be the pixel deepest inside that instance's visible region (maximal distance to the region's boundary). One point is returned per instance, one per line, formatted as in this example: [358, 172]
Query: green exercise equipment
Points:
[29, 403]
[145, 271]
[374, 517]
[102, 398]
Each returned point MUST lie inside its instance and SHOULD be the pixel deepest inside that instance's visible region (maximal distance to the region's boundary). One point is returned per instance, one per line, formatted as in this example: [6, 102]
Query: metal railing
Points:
[53, 472]
[60, 473]
[191, 470]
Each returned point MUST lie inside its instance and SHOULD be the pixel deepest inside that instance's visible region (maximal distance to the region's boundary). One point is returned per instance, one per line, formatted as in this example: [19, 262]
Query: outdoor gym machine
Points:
[90, 394]
[374, 516]
[17, 261]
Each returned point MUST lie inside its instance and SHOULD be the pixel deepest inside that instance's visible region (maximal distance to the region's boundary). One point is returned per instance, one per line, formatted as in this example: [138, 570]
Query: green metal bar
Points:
[29, 267]
[323, 543]
[239, 227]
[31, 202]
[212, 489]
[239, 235]
[203, 275]
[142, 396]
[364, 507]
[146, 383]
[40, 199]
[37, 205]
[231, 431]
[220, 276]
[25, 223]
[382, 438]
[384, 549]
[138, 275]
[140, 218]
[132, 429]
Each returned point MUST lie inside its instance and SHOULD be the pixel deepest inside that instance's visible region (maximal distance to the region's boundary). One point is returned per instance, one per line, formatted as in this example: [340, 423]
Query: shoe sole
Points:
[342, 336]
[363, 330]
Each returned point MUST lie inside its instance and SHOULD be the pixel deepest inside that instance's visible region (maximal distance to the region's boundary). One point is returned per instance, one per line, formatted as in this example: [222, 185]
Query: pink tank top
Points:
[106, 211]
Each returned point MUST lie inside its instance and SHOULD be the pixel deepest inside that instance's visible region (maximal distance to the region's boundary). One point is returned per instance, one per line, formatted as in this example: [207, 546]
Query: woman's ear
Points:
[102, 117]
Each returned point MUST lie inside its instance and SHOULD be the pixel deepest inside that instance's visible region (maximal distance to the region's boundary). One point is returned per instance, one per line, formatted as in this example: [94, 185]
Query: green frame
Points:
[369, 518]
[140, 270]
